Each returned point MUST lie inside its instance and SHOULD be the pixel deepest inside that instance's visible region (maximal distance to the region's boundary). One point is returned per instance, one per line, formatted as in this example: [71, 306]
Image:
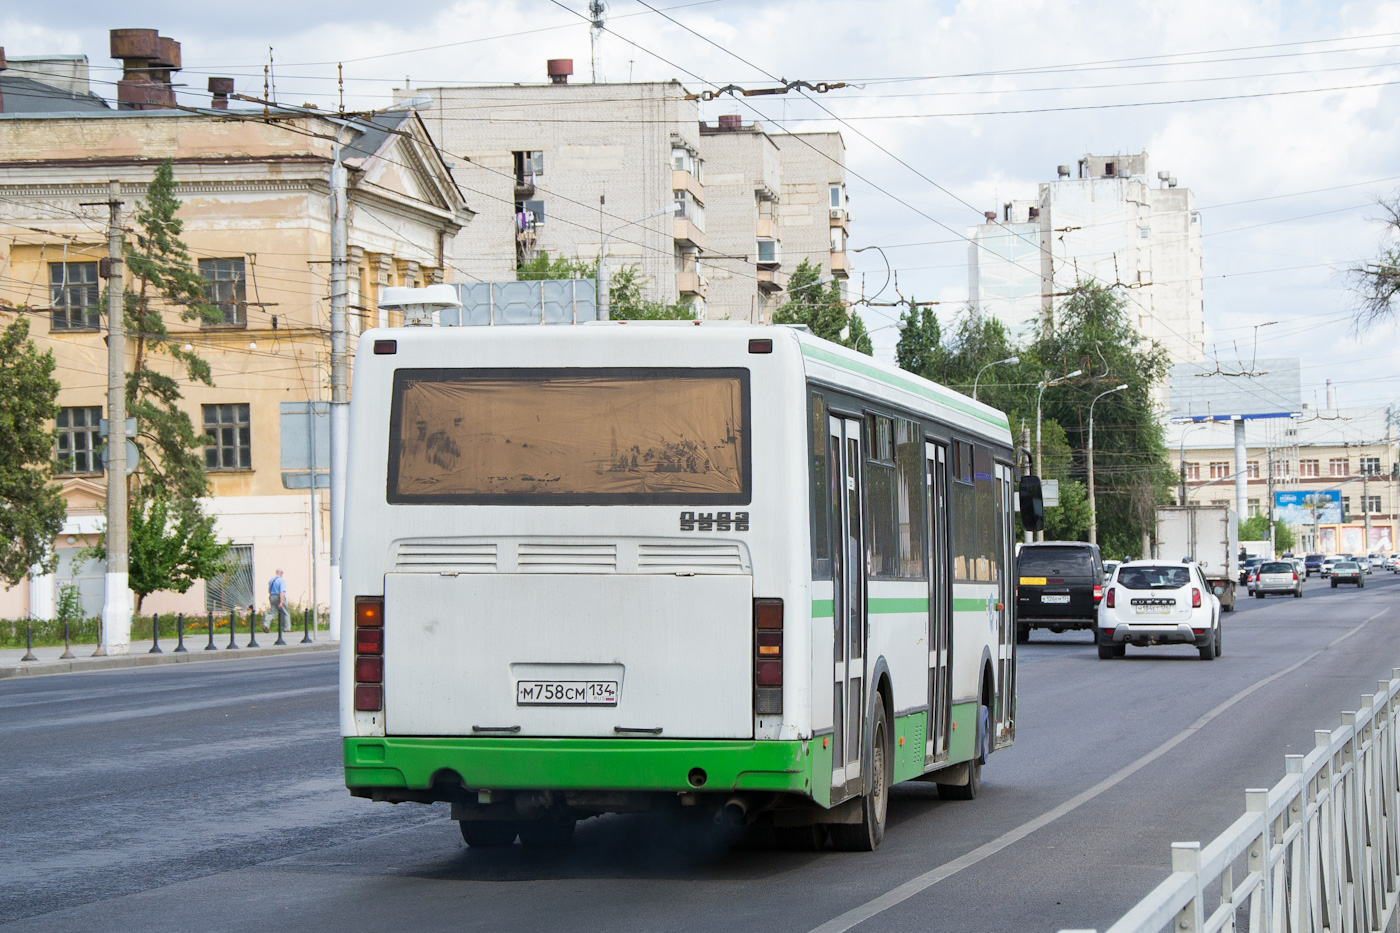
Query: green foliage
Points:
[1070, 520]
[70, 604]
[920, 346]
[627, 302]
[1256, 528]
[822, 310]
[171, 539]
[560, 267]
[31, 506]
[172, 545]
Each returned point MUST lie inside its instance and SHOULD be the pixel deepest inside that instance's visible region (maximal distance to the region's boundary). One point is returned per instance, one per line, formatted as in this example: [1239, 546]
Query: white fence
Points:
[1318, 852]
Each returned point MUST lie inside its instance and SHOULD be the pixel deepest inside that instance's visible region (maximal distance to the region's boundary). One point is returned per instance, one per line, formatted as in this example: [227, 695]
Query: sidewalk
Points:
[195, 650]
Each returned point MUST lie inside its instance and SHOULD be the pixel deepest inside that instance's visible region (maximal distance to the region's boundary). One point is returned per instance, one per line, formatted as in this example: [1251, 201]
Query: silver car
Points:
[1280, 577]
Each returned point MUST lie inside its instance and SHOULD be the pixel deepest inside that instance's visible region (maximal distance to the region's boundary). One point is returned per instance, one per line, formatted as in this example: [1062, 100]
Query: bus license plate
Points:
[1054, 599]
[566, 693]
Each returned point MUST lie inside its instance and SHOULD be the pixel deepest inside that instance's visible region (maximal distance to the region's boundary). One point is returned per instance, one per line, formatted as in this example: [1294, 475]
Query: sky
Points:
[1282, 117]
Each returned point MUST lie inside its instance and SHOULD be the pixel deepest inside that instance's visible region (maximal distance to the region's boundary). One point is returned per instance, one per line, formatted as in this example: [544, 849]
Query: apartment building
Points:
[1105, 221]
[1350, 453]
[775, 200]
[578, 170]
[257, 218]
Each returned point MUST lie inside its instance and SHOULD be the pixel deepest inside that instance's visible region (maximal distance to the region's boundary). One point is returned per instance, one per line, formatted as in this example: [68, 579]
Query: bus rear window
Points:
[570, 437]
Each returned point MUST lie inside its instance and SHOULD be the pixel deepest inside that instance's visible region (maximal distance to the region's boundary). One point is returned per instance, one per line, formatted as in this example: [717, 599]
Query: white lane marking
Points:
[928, 879]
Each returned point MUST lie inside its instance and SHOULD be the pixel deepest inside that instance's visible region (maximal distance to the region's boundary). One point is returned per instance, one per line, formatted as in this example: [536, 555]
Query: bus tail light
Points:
[1195, 598]
[768, 656]
[369, 654]
[1109, 598]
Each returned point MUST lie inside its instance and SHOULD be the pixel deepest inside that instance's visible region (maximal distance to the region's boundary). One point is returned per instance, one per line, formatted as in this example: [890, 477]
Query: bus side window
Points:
[909, 500]
[880, 497]
[821, 491]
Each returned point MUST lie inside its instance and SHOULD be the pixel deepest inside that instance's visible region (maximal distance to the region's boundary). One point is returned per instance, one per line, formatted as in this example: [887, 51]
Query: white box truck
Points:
[1207, 534]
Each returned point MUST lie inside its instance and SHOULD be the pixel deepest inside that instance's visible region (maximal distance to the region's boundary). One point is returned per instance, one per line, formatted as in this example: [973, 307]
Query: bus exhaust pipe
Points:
[734, 812]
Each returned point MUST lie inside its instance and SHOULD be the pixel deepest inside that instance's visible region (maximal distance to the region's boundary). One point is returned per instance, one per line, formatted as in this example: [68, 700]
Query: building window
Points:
[1144, 233]
[837, 197]
[77, 442]
[225, 287]
[767, 250]
[530, 215]
[1219, 469]
[232, 447]
[1370, 466]
[838, 240]
[528, 163]
[1253, 505]
[1309, 468]
[1371, 504]
[1280, 468]
[1337, 466]
[1346, 508]
[74, 296]
[1251, 469]
[1193, 470]
[687, 208]
[233, 587]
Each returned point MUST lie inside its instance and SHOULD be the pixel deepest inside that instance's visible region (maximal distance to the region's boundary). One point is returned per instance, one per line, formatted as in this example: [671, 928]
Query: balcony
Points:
[766, 228]
[684, 181]
[840, 265]
[770, 279]
[693, 283]
[686, 233]
[837, 217]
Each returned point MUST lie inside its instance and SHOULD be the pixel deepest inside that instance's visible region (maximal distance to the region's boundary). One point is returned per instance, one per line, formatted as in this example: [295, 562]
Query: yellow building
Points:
[257, 220]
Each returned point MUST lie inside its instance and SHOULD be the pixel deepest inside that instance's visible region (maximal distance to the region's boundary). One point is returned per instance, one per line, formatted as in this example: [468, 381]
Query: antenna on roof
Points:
[595, 35]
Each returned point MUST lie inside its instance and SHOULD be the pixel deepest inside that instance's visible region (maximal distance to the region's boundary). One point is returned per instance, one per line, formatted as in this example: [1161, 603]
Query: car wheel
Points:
[1258, 595]
[865, 836]
[1107, 653]
[1208, 650]
[1334, 584]
[1023, 634]
[1298, 593]
[1219, 639]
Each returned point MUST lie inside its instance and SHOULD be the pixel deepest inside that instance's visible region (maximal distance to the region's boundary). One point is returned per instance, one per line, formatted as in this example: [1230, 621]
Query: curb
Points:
[77, 665]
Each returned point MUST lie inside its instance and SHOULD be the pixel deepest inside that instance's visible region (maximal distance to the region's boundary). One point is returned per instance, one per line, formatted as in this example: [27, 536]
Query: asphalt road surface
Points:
[210, 797]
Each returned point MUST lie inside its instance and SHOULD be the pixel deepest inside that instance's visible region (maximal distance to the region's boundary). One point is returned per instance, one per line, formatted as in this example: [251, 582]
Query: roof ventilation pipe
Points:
[220, 89]
[559, 69]
[148, 58]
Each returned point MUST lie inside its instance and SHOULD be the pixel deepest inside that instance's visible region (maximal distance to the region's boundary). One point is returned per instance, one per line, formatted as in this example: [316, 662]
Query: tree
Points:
[822, 310]
[560, 267]
[626, 301]
[32, 508]
[1256, 528]
[1377, 284]
[920, 346]
[171, 538]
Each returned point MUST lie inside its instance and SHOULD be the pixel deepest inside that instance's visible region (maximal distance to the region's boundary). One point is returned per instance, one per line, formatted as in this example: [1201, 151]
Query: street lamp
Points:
[1039, 463]
[1093, 512]
[1013, 360]
[603, 257]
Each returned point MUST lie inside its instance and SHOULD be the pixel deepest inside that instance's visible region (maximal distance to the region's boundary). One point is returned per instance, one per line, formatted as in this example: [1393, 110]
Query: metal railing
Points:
[1319, 851]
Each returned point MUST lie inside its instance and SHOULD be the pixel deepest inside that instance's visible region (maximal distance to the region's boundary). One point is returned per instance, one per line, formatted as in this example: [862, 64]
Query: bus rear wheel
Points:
[866, 835]
[489, 834]
[969, 790]
[547, 833]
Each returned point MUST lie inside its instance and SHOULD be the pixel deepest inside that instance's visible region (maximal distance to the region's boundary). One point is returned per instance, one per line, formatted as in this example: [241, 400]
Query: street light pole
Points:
[1010, 359]
[603, 308]
[1039, 461]
[1093, 510]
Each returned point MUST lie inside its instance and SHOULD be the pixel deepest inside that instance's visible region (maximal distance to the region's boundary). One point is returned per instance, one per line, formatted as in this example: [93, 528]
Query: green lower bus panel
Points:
[581, 764]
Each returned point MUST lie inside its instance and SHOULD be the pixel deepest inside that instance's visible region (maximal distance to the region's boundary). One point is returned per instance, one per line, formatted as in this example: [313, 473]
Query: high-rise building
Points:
[1110, 224]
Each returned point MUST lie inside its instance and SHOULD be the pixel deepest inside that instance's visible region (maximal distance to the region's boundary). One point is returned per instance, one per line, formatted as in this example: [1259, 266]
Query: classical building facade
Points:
[257, 219]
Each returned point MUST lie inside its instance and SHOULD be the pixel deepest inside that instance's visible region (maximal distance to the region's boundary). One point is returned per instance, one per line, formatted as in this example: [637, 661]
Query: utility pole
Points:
[1270, 510]
[1035, 467]
[1366, 506]
[116, 600]
[340, 396]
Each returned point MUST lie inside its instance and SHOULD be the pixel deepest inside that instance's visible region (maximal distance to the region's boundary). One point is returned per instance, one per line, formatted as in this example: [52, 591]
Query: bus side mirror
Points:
[1032, 504]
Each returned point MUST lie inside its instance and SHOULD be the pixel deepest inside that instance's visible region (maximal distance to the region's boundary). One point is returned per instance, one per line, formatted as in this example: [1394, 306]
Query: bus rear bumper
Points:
[376, 765]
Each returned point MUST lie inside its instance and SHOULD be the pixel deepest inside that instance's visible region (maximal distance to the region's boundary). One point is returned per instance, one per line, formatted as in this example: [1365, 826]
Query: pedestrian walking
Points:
[277, 604]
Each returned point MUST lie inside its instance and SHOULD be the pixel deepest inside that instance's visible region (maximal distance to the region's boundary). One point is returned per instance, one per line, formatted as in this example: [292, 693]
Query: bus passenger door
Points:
[1004, 726]
[940, 618]
[844, 460]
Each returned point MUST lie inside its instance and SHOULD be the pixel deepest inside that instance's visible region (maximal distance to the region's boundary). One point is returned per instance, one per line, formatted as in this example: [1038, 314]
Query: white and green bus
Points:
[624, 566]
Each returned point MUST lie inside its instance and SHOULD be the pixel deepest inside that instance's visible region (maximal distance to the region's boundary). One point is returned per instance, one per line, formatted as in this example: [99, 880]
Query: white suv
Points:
[1152, 602]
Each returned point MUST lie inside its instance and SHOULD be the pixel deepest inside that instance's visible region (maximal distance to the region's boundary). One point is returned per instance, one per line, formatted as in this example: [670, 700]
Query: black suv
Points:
[1058, 586]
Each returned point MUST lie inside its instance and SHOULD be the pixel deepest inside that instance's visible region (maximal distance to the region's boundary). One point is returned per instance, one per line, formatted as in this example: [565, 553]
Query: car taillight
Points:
[1195, 598]
[369, 653]
[1295, 576]
[1109, 600]
[1098, 592]
[768, 656]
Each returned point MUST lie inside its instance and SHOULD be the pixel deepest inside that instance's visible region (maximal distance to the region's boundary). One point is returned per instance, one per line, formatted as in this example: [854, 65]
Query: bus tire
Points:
[547, 833]
[489, 834]
[809, 838]
[866, 835]
[969, 790]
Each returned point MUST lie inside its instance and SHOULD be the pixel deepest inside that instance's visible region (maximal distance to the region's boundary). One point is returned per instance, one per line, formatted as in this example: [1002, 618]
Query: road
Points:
[210, 797]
